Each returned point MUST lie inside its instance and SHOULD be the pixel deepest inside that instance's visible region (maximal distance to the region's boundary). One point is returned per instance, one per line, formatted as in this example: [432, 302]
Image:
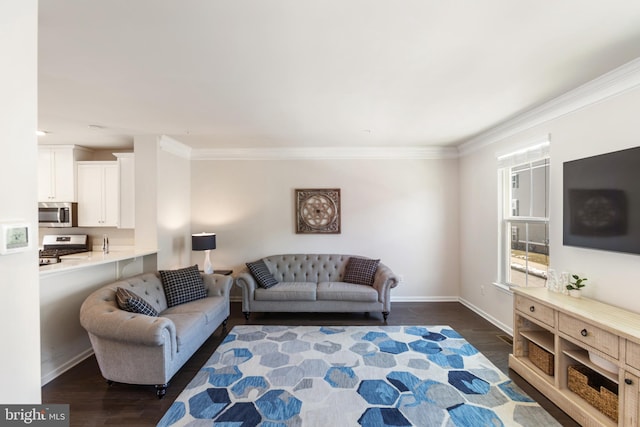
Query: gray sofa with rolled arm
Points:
[148, 350]
[316, 283]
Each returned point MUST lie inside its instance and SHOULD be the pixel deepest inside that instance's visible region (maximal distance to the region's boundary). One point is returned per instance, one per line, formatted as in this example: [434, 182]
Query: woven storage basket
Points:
[541, 358]
[599, 391]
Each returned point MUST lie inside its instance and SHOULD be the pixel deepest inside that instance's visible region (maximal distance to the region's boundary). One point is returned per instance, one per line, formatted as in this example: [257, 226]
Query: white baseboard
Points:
[393, 299]
[464, 302]
[487, 316]
[424, 299]
[49, 376]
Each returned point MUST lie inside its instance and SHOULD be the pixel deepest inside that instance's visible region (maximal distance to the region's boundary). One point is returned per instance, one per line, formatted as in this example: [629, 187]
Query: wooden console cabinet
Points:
[568, 329]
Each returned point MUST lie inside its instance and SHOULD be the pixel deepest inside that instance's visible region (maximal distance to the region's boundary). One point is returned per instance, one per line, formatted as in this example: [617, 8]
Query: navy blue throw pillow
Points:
[131, 302]
[182, 285]
[261, 273]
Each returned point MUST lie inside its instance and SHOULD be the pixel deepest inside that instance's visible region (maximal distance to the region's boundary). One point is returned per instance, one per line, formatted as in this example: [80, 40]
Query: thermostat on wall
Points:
[14, 237]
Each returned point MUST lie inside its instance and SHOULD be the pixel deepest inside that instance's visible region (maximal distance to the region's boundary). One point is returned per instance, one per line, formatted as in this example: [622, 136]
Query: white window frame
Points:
[531, 153]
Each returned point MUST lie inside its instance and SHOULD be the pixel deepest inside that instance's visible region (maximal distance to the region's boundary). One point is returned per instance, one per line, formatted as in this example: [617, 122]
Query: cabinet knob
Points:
[532, 308]
[584, 333]
[628, 381]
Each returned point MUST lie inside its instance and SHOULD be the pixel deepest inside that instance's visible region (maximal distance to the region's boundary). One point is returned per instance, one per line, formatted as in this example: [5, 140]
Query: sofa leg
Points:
[246, 314]
[224, 324]
[161, 390]
[385, 314]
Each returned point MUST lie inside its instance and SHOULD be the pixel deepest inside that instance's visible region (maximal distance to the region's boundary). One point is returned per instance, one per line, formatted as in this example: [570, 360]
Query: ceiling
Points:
[301, 73]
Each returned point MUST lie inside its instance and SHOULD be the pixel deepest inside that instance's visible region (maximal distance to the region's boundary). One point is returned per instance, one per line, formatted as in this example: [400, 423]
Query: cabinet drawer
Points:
[585, 332]
[536, 310]
[633, 354]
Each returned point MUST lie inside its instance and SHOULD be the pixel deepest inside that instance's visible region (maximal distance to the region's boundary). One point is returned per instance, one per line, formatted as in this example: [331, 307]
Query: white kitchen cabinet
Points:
[126, 163]
[57, 172]
[98, 194]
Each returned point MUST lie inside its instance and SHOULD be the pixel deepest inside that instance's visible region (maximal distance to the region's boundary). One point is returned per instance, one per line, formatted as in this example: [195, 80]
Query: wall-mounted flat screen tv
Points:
[601, 202]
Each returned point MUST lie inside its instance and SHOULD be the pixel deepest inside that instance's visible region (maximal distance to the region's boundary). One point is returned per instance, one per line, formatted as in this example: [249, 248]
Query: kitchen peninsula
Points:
[63, 288]
[123, 255]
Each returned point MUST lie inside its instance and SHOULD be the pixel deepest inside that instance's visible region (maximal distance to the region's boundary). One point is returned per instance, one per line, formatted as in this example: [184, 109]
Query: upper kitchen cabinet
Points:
[126, 163]
[57, 172]
[98, 194]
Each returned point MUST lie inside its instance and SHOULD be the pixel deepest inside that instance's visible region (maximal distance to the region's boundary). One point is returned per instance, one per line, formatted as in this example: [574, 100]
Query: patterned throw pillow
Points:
[130, 301]
[182, 285]
[261, 273]
[361, 271]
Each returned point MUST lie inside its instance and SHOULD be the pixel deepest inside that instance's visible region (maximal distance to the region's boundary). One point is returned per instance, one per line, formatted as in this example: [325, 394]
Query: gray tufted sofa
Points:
[313, 283]
[138, 349]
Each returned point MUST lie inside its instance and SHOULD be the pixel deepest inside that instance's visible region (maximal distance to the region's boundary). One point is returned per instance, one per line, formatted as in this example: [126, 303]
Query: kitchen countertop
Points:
[88, 259]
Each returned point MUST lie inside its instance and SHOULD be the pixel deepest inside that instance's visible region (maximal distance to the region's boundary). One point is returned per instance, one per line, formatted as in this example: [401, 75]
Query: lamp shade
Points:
[203, 241]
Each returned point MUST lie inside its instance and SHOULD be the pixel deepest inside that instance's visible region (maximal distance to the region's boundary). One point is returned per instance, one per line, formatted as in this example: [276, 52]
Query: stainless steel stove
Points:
[55, 246]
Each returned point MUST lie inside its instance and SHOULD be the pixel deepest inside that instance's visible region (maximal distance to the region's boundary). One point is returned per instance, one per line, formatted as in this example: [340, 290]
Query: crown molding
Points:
[615, 82]
[174, 147]
[67, 146]
[325, 153]
[124, 155]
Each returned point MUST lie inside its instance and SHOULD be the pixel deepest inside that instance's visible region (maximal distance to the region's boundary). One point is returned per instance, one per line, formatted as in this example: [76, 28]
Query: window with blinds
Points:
[524, 216]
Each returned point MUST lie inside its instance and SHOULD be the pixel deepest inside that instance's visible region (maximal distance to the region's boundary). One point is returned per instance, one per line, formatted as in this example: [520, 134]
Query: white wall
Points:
[145, 148]
[163, 199]
[63, 341]
[20, 334]
[174, 208]
[404, 212]
[607, 126]
[479, 237]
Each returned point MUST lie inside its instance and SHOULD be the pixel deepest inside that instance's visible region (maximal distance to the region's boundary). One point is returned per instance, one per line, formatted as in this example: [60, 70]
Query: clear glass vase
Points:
[552, 280]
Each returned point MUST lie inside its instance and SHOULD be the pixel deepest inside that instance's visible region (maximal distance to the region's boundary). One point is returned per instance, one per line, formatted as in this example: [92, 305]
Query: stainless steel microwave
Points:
[57, 214]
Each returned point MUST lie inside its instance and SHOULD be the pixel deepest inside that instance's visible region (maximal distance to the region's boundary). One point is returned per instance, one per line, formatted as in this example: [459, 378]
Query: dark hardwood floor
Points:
[94, 403]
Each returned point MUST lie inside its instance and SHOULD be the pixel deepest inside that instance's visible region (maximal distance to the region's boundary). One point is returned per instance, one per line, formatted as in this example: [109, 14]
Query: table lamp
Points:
[204, 242]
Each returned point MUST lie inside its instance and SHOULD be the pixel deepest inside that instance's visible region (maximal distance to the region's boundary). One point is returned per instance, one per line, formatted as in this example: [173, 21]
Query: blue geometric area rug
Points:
[349, 376]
